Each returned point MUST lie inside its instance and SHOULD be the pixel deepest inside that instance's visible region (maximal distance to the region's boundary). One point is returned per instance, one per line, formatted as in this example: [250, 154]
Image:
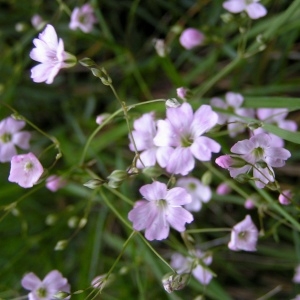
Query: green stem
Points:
[120, 195]
[207, 230]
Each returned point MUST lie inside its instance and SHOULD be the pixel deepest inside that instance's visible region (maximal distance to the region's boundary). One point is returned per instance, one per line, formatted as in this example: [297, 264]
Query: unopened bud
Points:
[118, 175]
[51, 219]
[242, 178]
[73, 222]
[87, 62]
[172, 103]
[96, 72]
[94, 183]
[61, 245]
[274, 186]
[174, 282]
[61, 295]
[101, 281]
[106, 81]
[82, 222]
[206, 178]
[152, 171]
[114, 184]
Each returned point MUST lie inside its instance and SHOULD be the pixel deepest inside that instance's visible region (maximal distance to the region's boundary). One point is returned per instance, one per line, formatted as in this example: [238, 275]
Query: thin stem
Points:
[155, 252]
[207, 230]
[120, 195]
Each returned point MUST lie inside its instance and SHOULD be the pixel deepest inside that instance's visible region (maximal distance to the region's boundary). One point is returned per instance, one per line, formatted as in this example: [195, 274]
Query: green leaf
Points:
[285, 134]
[272, 102]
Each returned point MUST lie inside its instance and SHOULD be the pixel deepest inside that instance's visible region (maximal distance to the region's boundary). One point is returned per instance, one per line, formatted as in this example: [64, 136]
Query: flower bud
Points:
[82, 222]
[242, 178]
[152, 171]
[285, 197]
[172, 103]
[174, 282]
[73, 222]
[254, 125]
[101, 281]
[61, 245]
[87, 62]
[96, 72]
[61, 295]
[94, 183]
[191, 38]
[206, 178]
[118, 175]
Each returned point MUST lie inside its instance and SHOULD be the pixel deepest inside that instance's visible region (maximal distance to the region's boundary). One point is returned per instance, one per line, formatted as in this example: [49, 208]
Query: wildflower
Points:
[254, 9]
[182, 93]
[83, 18]
[244, 236]
[223, 189]
[296, 278]
[54, 183]
[143, 135]
[161, 48]
[47, 288]
[183, 130]
[101, 118]
[160, 210]
[37, 22]
[232, 103]
[199, 192]
[25, 170]
[195, 264]
[249, 204]
[285, 197]
[257, 154]
[191, 38]
[277, 117]
[10, 135]
[50, 53]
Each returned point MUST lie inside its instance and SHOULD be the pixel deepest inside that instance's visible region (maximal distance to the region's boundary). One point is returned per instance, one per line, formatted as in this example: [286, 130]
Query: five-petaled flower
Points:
[49, 51]
[25, 170]
[11, 136]
[244, 236]
[47, 288]
[83, 18]
[160, 210]
[183, 265]
[254, 9]
[257, 154]
[184, 131]
[199, 192]
[232, 103]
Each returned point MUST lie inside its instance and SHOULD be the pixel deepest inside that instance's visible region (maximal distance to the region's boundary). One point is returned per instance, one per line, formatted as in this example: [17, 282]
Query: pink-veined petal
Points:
[154, 191]
[178, 217]
[203, 147]
[181, 161]
[30, 281]
[178, 196]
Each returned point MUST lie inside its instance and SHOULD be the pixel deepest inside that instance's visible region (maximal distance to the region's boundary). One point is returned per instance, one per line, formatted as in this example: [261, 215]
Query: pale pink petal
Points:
[147, 158]
[10, 125]
[163, 155]
[234, 6]
[204, 120]
[234, 99]
[30, 281]
[165, 135]
[204, 276]
[159, 229]
[181, 161]
[264, 176]
[256, 10]
[178, 216]
[178, 196]
[54, 281]
[277, 153]
[288, 125]
[21, 139]
[49, 36]
[44, 72]
[243, 147]
[224, 161]
[191, 38]
[7, 151]
[217, 102]
[203, 147]
[180, 118]
[261, 140]
[234, 172]
[154, 191]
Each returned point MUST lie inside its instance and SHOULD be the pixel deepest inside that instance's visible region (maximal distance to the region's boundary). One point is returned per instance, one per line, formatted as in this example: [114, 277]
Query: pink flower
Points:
[54, 183]
[50, 53]
[189, 264]
[143, 135]
[232, 103]
[199, 192]
[83, 18]
[254, 9]
[37, 22]
[161, 209]
[10, 135]
[223, 189]
[249, 204]
[285, 197]
[257, 154]
[45, 289]
[182, 93]
[244, 236]
[183, 130]
[275, 116]
[191, 38]
[25, 170]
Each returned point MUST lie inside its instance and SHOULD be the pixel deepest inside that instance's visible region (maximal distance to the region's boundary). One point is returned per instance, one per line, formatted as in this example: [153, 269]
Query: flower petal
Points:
[30, 281]
[181, 161]
[256, 10]
[154, 191]
[178, 216]
[234, 6]
[178, 196]
[203, 147]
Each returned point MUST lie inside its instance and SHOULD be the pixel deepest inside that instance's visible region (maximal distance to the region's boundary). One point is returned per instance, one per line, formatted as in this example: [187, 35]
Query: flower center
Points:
[28, 166]
[258, 153]
[41, 292]
[192, 186]
[186, 141]
[243, 235]
[162, 203]
[248, 2]
[5, 138]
